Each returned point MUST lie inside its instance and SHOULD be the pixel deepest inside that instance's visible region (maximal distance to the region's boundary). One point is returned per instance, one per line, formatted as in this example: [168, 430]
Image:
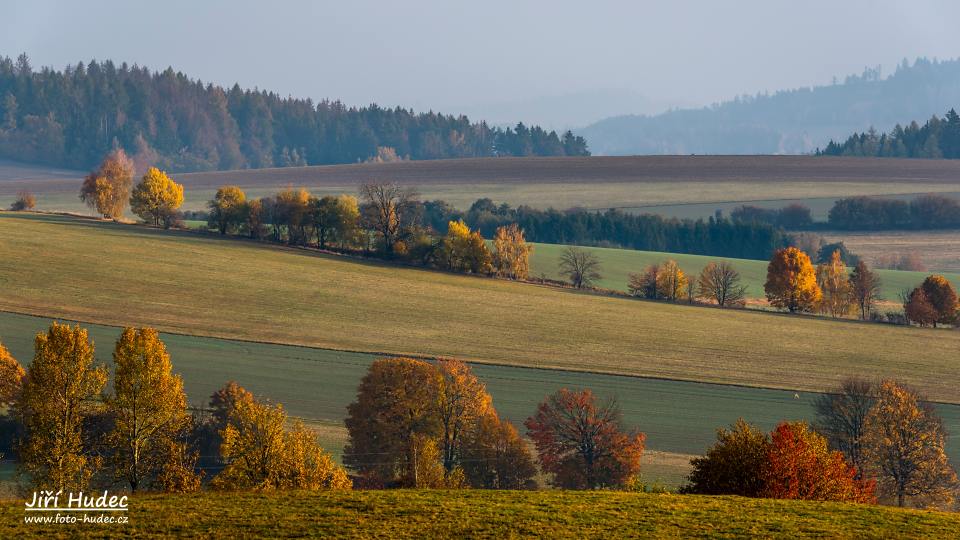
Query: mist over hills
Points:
[790, 121]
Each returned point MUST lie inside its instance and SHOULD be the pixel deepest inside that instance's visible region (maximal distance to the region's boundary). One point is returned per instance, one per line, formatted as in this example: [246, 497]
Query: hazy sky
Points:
[446, 54]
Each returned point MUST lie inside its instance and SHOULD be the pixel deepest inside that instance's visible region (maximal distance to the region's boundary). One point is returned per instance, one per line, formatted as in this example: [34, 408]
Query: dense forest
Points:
[73, 117]
[790, 121]
[612, 228]
[936, 138]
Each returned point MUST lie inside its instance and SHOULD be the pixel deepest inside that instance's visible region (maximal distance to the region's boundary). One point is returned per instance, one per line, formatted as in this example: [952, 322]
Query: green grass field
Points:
[182, 282]
[489, 514]
[679, 418]
[617, 264]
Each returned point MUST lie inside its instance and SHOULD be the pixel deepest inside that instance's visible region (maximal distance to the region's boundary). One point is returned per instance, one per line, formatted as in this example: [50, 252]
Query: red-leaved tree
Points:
[800, 466]
[583, 444]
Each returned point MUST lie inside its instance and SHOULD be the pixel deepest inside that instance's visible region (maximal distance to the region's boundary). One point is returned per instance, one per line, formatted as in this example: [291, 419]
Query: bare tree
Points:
[581, 267]
[841, 418]
[389, 210]
[720, 282]
[866, 288]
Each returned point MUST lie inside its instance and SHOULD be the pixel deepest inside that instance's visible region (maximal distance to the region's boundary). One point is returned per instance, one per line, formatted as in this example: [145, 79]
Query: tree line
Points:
[72, 117]
[421, 424]
[931, 211]
[937, 138]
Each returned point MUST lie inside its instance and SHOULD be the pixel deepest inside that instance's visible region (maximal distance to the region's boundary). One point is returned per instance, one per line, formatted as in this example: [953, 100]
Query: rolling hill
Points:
[182, 282]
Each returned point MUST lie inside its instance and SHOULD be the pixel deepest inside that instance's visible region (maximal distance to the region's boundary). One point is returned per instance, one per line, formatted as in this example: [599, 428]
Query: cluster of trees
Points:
[386, 220]
[937, 138]
[613, 228]
[72, 435]
[870, 213]
[109, 187]
[933, 302]
[870, 441]
[718, 283]
[74, 116]
[421, 424]
[25, 201]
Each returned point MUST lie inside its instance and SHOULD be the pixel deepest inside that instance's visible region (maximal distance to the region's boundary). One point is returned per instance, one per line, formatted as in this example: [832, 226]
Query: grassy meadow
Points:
[187, 283]
[490, 514]
[617, 264]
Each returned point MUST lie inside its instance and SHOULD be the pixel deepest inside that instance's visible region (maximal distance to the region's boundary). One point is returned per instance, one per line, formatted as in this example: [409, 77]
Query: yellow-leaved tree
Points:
[11, 377]
[107, 188]
[511, 253]
[792, 282]
[464, 250]
[156, 198]
[149, 409]
[834, 283]
[671, 281]
[228, 209]
[259, 453]
[461, 401]
[903, 448]
[58, 392]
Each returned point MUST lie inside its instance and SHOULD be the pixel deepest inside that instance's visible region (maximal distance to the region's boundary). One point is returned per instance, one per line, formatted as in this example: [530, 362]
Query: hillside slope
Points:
[789, 121]
[124, 275]
[491, 514]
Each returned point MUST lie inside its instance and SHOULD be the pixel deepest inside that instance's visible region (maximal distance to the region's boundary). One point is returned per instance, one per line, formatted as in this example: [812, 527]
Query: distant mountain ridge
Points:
[787, 122]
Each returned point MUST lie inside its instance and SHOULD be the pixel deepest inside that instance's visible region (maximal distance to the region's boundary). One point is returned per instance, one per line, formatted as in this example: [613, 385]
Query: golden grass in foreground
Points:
[490, 514]
[126, 275]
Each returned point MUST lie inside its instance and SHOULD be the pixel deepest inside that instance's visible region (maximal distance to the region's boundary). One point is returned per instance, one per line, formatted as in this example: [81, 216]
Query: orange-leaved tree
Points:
[942, 296]
[496, 457]
[107, 188]
[800, 466]
[792, 282]
[584, 444]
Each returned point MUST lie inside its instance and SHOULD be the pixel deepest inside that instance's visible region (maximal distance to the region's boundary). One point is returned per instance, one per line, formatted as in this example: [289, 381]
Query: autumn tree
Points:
[583, 444]
[464, 250]
[904, 448]
[25, 201]
[388, 211]
[842, 416]
[57, 395]
[919, 309]
[837, 293]
[11, 377]
[864, 288]
[107, 188]
[721, 283]
[671, 281]
[800, 466]
[254, 219]
[792, 282]
[291, 214]
[644, 284]
[149, 408]
[334, 218]
[261, 454]
[396, 400]
[495, 456]
[581, 267]
[225, 400]
[462, 400]
[511, 253]
[228, 209]
[942, 296]
[156, 198]
[734, 465]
